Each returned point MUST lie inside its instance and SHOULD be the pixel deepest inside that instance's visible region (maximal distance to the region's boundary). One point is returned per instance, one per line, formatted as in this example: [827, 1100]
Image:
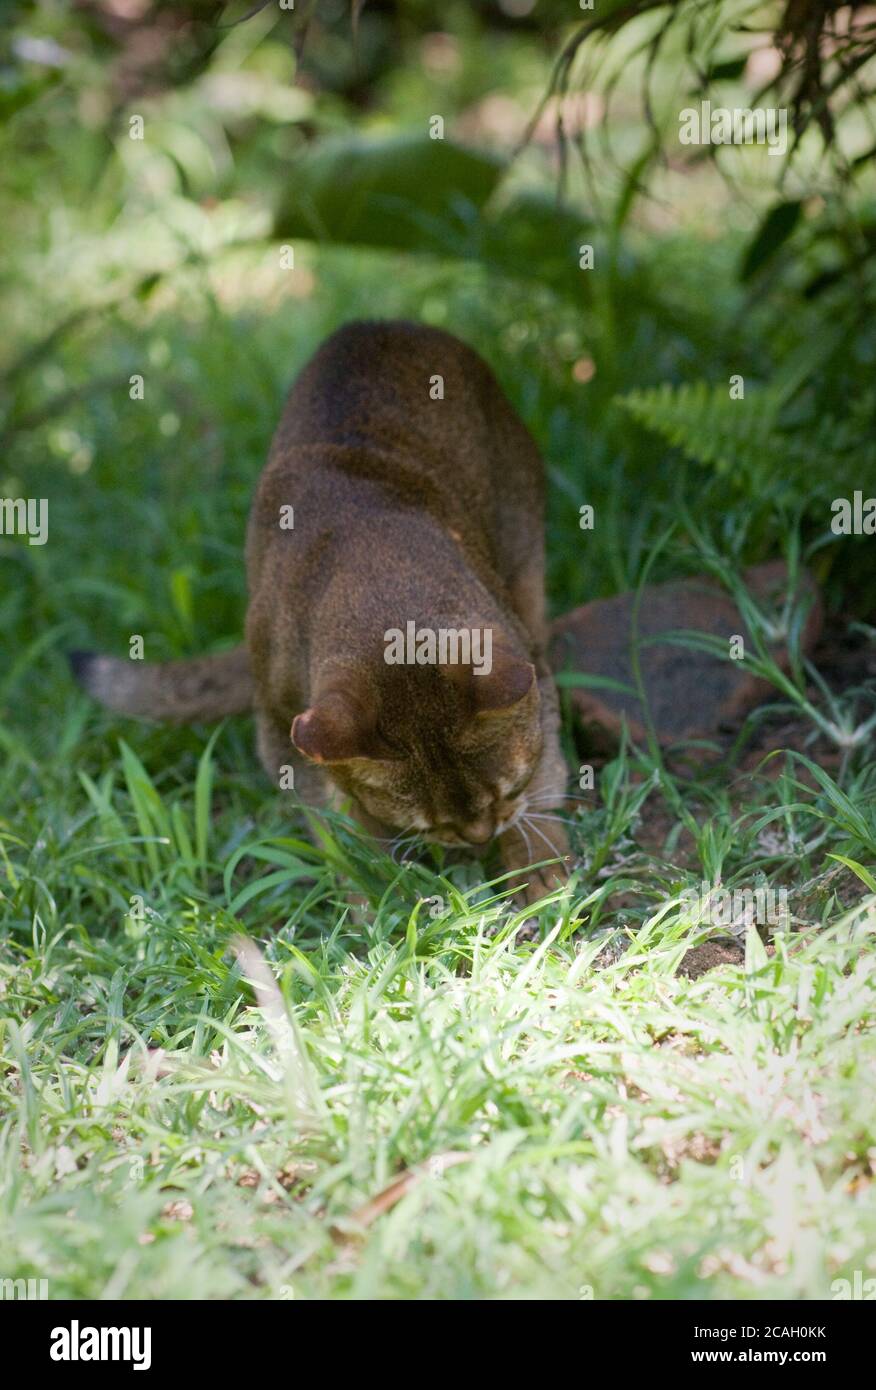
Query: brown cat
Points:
[399, 514]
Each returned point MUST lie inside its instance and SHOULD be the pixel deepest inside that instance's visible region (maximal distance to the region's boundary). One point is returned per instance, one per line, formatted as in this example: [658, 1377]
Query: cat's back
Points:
[400, 387]
[390, 419]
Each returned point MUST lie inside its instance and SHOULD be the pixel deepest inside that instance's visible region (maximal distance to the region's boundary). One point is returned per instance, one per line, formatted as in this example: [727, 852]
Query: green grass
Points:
[627, 1131]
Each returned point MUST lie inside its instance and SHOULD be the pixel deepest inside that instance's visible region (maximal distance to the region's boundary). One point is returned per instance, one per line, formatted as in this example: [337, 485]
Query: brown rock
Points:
[691, 694]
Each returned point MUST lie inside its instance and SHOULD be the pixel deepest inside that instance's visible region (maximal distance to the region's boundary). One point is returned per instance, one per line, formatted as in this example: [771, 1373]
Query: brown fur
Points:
[405, 509]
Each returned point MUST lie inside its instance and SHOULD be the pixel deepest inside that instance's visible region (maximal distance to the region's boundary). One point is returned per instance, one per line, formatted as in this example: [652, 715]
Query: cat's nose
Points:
[478, 832]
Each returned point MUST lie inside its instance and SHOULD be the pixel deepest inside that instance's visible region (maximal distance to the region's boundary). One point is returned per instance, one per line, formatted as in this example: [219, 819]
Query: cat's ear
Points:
[336, 729]
[509, 681]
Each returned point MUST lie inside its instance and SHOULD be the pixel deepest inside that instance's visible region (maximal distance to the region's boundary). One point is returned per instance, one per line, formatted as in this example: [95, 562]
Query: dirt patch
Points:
[710, 955]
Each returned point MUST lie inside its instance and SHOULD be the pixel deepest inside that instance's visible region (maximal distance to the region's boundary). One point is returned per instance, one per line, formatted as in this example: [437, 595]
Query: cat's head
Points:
[438, 751]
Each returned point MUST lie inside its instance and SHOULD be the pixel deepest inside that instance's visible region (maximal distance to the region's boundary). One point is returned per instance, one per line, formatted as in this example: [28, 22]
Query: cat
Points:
[402, 494]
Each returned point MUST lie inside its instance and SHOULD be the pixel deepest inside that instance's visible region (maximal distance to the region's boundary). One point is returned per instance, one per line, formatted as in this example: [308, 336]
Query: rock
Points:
[691, 694]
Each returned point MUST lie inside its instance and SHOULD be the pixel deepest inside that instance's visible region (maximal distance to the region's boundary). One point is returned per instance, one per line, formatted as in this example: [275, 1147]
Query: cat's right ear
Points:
[510, 681]
[336, 729]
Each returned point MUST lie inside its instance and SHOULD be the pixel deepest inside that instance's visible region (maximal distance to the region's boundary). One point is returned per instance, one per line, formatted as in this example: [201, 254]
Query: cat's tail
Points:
[179, 692]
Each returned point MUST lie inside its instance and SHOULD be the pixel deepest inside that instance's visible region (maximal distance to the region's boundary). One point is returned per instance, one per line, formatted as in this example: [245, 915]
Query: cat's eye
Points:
[393, 749]
[520, 786]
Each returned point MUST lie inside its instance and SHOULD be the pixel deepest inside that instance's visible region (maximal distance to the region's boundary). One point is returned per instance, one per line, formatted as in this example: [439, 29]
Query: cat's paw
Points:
[531, 885]
[542, 883]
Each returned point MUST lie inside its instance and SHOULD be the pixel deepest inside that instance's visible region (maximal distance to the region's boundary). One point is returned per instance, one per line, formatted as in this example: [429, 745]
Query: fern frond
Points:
[750, 441]
[702, 421]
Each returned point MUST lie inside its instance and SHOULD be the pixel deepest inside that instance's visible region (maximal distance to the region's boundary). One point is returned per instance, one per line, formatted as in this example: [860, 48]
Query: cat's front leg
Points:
[538, 834]
[521, 846]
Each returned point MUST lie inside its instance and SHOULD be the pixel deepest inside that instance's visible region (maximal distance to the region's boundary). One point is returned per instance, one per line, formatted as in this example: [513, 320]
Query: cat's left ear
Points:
[509, 682]
[336, 729]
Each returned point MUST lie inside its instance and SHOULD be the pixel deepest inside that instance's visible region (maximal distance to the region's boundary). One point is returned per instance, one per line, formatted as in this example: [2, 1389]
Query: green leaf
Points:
[851, 820]
[265, 884]
[203, 794]
[728, 71]
[863, 874]
[530, 235]
[576, 679]
[152, 819]
[406, 192]
[19, 89]
[772, 233]
[181, 596]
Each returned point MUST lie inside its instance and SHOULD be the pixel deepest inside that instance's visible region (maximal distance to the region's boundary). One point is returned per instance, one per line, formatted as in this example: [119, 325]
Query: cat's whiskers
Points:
[399, 840]
[521, 826]
[529, 822]
[515, 819]
[557, 800]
